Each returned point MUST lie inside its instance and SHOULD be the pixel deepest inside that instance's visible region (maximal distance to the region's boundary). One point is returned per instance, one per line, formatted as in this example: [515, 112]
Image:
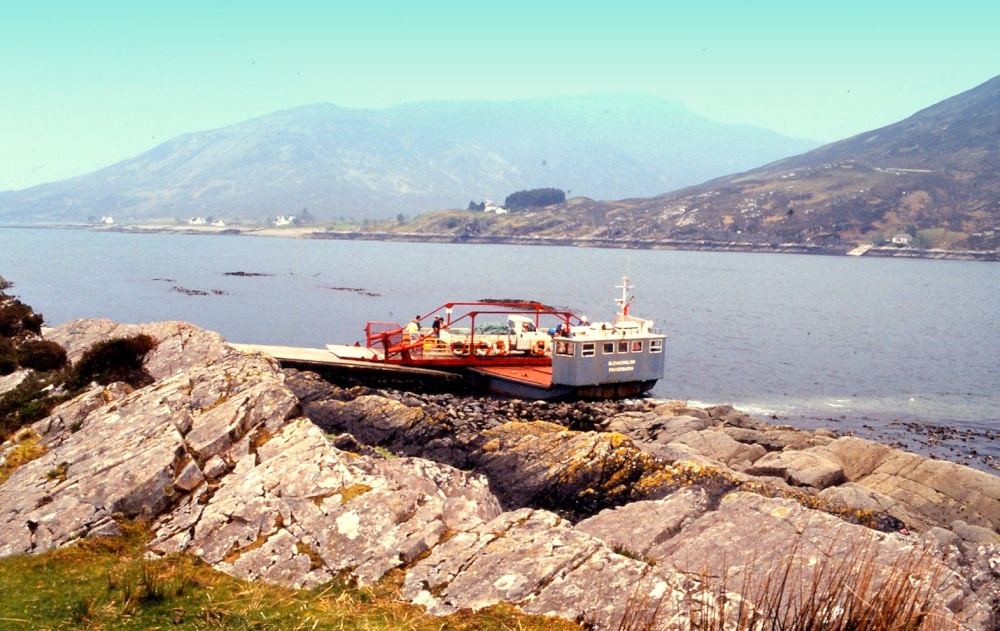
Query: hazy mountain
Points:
[409, 159]
[934, 177]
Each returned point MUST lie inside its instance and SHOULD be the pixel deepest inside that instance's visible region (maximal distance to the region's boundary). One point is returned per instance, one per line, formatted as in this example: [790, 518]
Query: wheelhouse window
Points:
[637, 346]
[589, 349]
[622, 347]
[565, 348]
[609, 348]
[655, 346]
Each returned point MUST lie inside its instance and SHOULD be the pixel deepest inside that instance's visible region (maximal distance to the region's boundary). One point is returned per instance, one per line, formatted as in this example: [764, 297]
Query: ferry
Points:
[522, 349]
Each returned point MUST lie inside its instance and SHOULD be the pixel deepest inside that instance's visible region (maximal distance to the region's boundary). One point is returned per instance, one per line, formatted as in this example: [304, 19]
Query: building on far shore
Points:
[490, 207]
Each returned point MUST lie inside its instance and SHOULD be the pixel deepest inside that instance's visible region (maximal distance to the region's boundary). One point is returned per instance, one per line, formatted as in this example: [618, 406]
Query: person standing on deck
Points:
[413, 329]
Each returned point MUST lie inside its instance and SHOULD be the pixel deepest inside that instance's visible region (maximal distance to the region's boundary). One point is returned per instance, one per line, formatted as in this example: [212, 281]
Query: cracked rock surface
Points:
[653, 505]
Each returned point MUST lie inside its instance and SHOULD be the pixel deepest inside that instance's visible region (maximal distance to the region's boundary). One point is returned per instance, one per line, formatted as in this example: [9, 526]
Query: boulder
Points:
[856, 456]
[799, 468]
[680, 408]
[729, 416]
[720, 447]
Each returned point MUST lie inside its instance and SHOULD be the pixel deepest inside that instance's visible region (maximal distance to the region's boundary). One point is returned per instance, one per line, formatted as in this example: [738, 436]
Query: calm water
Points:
[811, 339]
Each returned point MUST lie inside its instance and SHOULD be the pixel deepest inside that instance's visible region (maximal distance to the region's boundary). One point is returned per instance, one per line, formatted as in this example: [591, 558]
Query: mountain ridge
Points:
[410, 158]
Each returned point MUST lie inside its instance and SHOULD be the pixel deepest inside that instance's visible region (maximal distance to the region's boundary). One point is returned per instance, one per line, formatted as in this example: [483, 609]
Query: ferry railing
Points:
[392, 339]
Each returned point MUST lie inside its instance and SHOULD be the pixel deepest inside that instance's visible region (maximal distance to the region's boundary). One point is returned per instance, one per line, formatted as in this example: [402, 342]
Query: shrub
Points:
[25, 404]
[41, 355]
[16, 317]
[118, 359]
[8, 357]
[33, 322]
[535, 198]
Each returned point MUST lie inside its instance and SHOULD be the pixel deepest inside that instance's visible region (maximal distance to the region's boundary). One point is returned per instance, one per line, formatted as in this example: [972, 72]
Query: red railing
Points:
[390, 339]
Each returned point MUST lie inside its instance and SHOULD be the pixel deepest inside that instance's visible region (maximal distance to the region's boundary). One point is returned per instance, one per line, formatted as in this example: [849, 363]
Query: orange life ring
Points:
[482, 349]
[501, 347]
[538, 348]
[459, 348]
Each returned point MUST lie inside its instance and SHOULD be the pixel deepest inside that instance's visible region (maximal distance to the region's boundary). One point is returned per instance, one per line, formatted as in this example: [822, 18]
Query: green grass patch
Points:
[107, 584]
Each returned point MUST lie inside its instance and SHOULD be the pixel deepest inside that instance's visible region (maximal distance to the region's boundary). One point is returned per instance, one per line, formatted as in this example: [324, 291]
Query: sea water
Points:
[812, 340]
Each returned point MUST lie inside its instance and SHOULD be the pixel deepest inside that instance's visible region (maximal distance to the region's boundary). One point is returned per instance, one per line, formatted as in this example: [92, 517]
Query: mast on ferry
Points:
[625, 301]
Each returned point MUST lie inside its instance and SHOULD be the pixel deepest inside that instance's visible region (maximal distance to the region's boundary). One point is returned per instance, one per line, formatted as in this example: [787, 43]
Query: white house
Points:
[490, 207]
[218, 223]
[197, 221]
[284, 221]
[901, 239]
[107, 221]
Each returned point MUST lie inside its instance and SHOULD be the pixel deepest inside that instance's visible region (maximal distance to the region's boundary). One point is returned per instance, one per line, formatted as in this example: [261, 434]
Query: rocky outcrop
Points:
[232, 460]
[930, 492]
[750, 538]
[574, 473]
[114, 451]
[181, 345]
[215, 454]
[296, 511]
[711, 455]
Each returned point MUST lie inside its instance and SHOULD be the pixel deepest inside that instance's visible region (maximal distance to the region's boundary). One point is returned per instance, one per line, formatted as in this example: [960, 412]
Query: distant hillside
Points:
[932, 180]
[339, 162]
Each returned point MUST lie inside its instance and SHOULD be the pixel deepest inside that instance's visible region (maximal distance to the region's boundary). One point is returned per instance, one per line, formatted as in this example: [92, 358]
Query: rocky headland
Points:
[596, 512]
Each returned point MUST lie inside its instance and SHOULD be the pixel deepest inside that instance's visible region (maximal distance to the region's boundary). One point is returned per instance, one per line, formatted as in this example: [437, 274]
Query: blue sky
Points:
[87, 84]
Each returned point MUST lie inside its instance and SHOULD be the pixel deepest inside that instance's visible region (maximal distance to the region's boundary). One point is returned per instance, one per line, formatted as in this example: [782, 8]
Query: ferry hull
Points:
[537, 384]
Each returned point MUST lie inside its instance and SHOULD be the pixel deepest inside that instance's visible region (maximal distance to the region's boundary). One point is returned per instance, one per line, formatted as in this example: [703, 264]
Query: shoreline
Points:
[308, 232]
[892, 425]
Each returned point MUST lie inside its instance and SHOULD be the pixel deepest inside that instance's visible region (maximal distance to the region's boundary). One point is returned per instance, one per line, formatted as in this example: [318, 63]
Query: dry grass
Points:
[851, 593]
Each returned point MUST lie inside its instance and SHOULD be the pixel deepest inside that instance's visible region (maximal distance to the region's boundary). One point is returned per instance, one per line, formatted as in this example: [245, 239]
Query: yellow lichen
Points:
[315, 560]
[235, 552]
[353, 491]
[28, 447]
